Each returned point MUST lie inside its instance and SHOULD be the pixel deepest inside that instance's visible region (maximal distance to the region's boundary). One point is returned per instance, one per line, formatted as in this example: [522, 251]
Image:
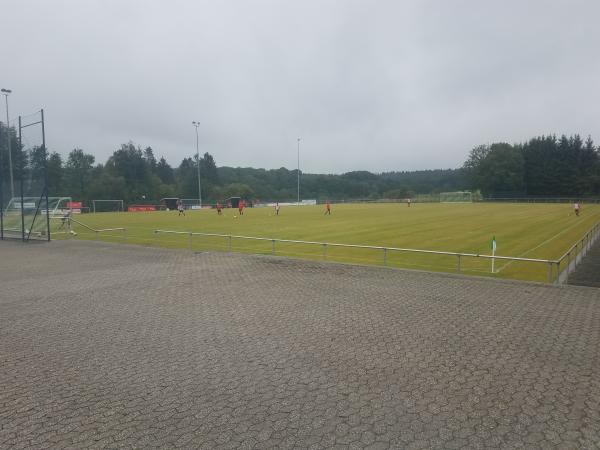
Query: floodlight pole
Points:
[197, 124]
[45, 177]
[298, 203]
[22, 169]
[1, 201]
[6, 92]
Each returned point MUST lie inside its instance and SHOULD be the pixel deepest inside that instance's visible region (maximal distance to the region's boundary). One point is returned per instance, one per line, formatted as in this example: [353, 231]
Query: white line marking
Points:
[522, 255]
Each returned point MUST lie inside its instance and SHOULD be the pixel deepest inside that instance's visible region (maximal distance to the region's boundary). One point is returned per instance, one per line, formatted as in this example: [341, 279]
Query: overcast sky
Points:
[367, 85]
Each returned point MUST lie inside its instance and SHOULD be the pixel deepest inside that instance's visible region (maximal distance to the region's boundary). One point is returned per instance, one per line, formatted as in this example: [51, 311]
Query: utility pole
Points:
[197, 124]
[46, 176]
[6, 92]
[298, 204]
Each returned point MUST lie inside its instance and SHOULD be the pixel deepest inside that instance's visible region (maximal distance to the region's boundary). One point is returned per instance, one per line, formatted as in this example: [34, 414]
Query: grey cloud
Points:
[384, 85]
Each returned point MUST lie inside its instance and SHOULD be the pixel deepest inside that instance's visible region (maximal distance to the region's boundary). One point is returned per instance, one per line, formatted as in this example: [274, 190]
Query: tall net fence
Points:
[26, 208]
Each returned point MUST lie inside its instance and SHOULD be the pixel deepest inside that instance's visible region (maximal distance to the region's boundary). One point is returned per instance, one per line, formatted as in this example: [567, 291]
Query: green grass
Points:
[543, 231]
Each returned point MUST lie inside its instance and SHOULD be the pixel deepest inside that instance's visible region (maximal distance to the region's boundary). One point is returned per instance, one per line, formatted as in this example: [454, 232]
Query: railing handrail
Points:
[93, 229]
[574, 246]
[372, 247]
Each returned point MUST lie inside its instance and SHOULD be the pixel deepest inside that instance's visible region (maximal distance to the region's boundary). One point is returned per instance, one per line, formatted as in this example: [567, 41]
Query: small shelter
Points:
[169, 203]
[233, 202]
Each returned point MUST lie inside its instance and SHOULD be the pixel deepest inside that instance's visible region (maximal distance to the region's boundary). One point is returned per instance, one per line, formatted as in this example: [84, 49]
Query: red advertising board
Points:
[74, 205]
[141, 208]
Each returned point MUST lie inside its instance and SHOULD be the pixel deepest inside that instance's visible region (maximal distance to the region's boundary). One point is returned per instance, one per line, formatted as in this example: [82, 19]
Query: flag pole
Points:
[493, 252]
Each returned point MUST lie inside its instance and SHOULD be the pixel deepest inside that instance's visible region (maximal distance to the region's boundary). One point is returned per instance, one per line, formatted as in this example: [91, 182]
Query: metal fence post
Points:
[324, 251]
[549, 272]
[272, 246]
[458, 264]
[589, 242]
[230, 243]
[385, 256]
[190, 241]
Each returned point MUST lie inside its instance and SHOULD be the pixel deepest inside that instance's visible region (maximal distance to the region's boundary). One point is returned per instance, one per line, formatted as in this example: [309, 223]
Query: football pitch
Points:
[529, 230]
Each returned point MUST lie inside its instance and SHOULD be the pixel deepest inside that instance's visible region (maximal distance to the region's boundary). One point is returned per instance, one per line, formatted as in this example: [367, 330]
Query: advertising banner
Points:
[141, 208]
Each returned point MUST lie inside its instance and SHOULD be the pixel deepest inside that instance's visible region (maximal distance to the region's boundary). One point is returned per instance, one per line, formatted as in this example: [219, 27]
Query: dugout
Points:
[233, 201]
[169, 203]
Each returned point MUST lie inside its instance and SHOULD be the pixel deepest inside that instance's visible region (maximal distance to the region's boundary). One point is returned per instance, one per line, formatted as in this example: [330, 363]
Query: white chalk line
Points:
[522, 255]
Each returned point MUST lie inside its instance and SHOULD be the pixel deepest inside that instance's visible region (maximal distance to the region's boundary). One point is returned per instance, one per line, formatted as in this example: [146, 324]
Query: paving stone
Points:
[117, 346]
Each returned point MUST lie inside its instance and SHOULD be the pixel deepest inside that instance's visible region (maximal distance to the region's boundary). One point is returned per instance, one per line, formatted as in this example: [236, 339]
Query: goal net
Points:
[107, 206]
[456, 197]
[190, 203]
[27, 216]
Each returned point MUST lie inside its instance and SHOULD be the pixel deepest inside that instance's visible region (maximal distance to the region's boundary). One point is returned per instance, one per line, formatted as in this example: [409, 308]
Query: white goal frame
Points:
[58, 207]
[119, 202]
[191, 203]
[59, 204]
[468, 197]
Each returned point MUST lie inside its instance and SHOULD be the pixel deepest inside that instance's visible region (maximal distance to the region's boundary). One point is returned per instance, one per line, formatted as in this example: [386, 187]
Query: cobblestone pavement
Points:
[108, 346]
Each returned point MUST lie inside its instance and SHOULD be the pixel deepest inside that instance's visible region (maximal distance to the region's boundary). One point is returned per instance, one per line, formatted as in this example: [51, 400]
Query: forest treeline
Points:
[543, 166]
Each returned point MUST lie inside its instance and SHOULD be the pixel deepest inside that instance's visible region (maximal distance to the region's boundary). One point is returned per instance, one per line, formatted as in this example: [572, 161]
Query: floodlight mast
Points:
[6, 92]
[197, 124]
[298, 203]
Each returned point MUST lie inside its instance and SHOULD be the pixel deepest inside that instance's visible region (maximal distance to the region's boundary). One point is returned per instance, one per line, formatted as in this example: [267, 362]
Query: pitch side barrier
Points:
[572, 258]
[554, 270]
[542, 200]
[102, 230]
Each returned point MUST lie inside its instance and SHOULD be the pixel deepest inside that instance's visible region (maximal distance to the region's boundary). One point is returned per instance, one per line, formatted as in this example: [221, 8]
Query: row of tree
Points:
[543, 166]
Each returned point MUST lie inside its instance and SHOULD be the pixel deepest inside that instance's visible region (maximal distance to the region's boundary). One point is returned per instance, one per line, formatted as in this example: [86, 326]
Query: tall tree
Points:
[55, 175]
[473, 164]
[502, 171]
[129, 162]
[78, 170]
[150, 159]
[208, 169]
[187, 178]
[165, 171]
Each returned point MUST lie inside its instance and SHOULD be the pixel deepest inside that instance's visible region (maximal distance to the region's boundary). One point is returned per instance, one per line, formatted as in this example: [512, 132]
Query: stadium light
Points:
[298, 203]
[197, 124]
[6, 92]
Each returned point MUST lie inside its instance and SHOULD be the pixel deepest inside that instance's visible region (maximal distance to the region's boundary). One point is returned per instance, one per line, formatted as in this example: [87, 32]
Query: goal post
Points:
[191, 203]
[26, 216]
[107, 206]
[456, 197]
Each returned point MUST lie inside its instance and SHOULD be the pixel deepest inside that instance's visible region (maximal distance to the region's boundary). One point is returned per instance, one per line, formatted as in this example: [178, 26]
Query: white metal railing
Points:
[102, 230]
[585, 200]
[575, 254]
[552, 265]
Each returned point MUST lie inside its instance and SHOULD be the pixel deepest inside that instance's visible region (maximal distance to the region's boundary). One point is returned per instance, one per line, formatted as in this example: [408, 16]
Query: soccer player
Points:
[241, 205]
[219, 208]
[327, 208]
[577, 207]
[408, 202]
[180, 208]
[66, 220]
[277, 208]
